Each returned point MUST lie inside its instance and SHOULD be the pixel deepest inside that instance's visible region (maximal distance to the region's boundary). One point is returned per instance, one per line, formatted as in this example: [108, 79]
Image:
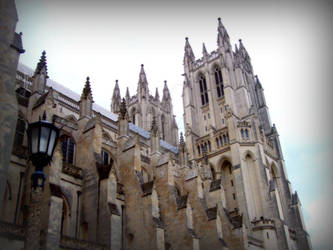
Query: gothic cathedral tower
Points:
[228, 128]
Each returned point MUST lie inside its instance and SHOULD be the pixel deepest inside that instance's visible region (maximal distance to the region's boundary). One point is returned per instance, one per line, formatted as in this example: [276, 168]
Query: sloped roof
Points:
[97, 108]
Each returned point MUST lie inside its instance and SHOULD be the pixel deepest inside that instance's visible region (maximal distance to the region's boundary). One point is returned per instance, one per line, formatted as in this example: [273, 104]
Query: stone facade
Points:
[121, 179]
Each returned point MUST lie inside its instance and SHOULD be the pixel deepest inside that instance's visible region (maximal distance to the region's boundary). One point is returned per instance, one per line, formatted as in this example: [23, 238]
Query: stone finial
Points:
[154, 127]
[123, 114]
[42, 64]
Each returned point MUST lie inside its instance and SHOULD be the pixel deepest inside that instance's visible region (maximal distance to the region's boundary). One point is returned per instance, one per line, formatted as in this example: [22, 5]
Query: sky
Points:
[289, 43]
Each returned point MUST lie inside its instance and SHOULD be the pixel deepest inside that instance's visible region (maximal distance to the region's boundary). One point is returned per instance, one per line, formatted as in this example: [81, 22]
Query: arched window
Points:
[198, 149]
[65, 218]
[217, 142]
[242, 133]
[68, 149]
[209, 146]
[227, 178]
[246, 133]
[105, 157]
[224, 139]
[19, 132]
[219, 82]
[221, 141]
[203, 90]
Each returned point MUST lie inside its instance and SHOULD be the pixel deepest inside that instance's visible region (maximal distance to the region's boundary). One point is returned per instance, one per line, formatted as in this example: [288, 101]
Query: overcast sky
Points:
[289, 43]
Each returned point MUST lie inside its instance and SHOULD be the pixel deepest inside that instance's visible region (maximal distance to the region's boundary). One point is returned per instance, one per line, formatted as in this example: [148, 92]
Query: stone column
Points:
[116, 230]
[54, 229]
[8, 65]
[33, 227]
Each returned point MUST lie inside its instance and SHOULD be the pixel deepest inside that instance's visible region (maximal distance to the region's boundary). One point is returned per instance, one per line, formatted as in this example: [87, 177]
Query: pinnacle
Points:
[154, 127]
[222, 33]
[123, 109]
[188, 50]
[127, 92]
[116, 85]
[204, 50]
[87, 89]
[116, 92]
[142, 78]
[240, 43]
[157, 96]
[42, 64]
[181, 140]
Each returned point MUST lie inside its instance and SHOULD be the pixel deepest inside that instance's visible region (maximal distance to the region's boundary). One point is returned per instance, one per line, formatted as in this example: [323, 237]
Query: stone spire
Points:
[42, 65]
[128, 97]
[142, 77]
[142, 90]
[189, 55]
[223, 39]
[244, 57]
[166, 94]
[157, 96]
[86, 100]
[116, 99]
[204, 50]
[242, 50]
[86, 93]
[40, 75]
[257, 82]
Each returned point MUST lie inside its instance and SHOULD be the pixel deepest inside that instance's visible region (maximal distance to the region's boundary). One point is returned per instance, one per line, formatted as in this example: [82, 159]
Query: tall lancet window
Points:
[219, 82]
[203, 90]
[68, 149]
[163, 126]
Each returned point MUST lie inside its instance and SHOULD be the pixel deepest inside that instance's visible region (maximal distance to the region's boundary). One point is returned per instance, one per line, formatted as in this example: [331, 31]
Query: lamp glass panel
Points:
[44, 136]
[34, 140]
[51, 143]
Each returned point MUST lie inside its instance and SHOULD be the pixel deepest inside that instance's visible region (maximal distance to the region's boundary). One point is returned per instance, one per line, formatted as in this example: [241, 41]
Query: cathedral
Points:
[125, 178]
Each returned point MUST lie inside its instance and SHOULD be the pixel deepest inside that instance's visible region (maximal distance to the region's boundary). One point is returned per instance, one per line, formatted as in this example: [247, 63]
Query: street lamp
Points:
[42, 139]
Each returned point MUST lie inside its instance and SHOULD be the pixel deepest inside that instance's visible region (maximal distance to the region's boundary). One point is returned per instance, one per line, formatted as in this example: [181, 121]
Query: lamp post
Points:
[42, 139]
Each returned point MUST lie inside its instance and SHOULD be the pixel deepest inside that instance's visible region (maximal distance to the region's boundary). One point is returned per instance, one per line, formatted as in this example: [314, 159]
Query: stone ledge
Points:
[71, 243]
[11, 231]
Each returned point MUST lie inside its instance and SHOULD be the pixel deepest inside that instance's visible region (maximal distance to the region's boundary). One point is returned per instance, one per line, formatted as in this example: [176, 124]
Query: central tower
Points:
[230, 136]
